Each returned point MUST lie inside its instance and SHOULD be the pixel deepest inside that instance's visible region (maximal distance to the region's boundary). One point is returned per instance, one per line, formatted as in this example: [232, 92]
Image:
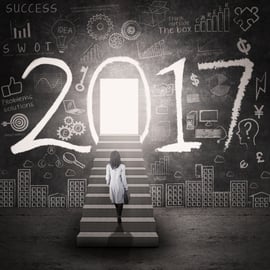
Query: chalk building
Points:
[193, 194]
[157, 191]
[208, 178]
[24, 187]
[222, 199]
[76, 192]
[239, 193]
[39, 195]
[7, 192]
[175, 194]
[57, 200]
[260, 200]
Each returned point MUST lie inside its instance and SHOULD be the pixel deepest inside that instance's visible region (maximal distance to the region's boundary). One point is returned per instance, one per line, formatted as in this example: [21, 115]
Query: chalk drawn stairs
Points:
[98, 225]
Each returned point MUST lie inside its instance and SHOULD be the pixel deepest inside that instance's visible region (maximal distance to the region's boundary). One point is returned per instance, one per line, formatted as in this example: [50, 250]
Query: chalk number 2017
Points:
[30, 142]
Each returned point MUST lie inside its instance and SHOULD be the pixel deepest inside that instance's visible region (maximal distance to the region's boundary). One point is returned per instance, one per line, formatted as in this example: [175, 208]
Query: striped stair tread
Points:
[129, 186]
[136, 162]
[129, 171]
[113, 219]
[114, 137]
[122, 159]
[127, 176]
[129, 181]
[103, 188]
[118, 141]
[120, 151]
[123, 152]
[104, 198]
[111, 206]
[127, 168]
[117, 239]
[119, 144]
[109, 224]
[108, 210]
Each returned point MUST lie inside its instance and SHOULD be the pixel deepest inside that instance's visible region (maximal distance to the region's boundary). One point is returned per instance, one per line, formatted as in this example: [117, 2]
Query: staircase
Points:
[98, 225]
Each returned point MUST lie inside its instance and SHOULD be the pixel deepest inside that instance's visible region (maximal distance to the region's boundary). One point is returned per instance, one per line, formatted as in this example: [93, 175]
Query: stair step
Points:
[102, 153]
[131, 179]
[115, 144]
[119, 138]
[104, 198]
[129, 171]
[109, 224]
[117, 239]
[127, 176]
[104, 188]
[108, 210]
[129, 162]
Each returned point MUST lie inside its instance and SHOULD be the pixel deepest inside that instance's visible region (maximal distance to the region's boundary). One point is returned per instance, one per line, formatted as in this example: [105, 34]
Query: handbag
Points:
[126, 197]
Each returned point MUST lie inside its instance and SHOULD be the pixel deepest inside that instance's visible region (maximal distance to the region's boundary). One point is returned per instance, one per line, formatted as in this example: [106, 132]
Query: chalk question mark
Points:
[248, 129]
[225, 134]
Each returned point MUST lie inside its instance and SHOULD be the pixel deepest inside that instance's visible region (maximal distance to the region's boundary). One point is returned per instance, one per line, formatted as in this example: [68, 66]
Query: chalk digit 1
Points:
[181, 145]
[30, 142]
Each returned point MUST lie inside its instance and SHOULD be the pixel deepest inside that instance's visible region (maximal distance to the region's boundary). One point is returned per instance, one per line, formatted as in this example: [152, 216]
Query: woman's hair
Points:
[115, 159]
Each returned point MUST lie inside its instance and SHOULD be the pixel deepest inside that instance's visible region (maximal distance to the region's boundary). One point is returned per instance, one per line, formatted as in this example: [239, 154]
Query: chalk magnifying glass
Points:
[71, 159]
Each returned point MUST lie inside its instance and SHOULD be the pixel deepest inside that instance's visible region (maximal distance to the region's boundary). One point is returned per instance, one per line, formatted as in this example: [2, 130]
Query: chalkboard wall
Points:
[205, 63]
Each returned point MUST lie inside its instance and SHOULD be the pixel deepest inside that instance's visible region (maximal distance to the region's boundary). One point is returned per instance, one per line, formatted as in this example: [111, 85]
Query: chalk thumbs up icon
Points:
[13, 88]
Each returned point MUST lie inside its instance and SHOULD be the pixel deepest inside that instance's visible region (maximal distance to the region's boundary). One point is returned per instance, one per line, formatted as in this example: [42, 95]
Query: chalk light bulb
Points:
[63, 31]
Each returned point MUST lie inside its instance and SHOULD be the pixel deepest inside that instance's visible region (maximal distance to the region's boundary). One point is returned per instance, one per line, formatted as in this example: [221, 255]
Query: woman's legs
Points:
[119, 209]
[116, 207]
[120, 205]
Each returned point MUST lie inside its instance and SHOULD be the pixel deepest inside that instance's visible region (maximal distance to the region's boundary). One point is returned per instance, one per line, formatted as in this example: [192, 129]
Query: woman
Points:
[116, 179]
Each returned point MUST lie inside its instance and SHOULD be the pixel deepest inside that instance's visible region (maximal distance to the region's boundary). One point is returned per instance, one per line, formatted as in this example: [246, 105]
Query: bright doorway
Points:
[119, 107]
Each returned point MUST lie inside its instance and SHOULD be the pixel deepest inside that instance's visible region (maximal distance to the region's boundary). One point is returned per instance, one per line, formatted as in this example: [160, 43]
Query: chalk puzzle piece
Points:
[246, 17]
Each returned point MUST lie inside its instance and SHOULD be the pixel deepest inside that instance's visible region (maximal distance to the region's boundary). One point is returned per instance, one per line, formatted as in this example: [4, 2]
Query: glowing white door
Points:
[119, 107]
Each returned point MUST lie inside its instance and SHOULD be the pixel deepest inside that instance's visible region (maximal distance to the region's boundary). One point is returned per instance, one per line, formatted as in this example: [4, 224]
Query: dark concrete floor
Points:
[189, 239]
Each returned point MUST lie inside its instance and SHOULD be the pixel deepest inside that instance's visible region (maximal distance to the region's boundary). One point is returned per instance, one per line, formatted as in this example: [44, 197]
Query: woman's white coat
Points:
[116, 179]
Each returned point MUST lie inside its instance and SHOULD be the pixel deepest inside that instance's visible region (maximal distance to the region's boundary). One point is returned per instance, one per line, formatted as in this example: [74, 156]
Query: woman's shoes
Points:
[119, 220]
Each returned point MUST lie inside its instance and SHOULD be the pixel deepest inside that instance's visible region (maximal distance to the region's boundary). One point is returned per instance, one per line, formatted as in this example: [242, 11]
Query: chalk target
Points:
[131, 30]
[19, 122]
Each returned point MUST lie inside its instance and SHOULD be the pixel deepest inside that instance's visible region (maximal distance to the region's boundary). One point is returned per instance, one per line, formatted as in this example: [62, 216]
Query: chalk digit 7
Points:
[30, 142]
[246, 76]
